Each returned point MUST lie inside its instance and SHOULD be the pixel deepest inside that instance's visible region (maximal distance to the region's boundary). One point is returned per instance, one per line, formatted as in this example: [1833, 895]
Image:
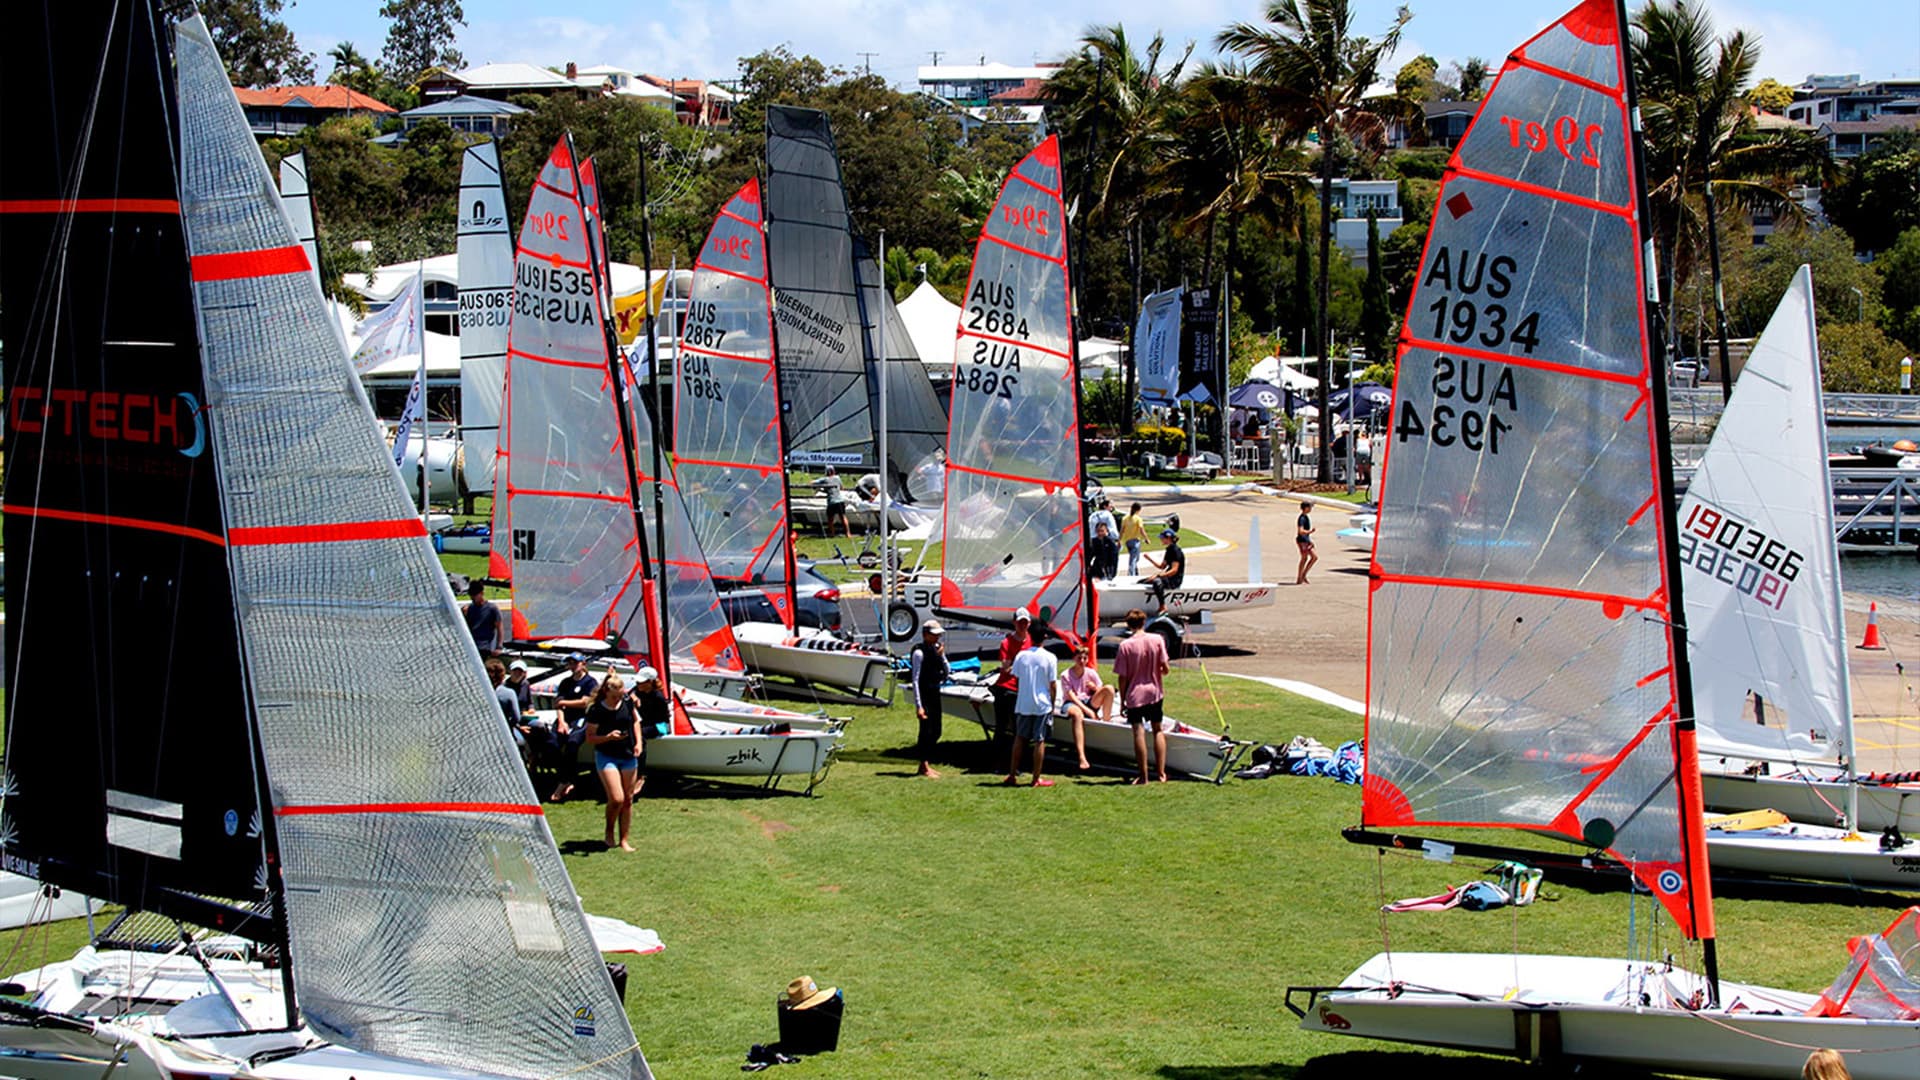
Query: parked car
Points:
[1687, 371]
[818, 601]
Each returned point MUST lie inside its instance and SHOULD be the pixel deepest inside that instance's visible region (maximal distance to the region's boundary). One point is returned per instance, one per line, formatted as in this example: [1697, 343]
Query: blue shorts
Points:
[1033, 727]
[623, 763]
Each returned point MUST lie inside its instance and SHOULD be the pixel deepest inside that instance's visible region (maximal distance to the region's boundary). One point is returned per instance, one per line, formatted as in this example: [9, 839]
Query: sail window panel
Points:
[1509, 727]
[697, 627]
[737, 513]
[729, 406]
[1011, 545]
[1583, 44]
[1543, 130]
[1012, 393]
[1518, 274]
[1490, 479]
[572, 558]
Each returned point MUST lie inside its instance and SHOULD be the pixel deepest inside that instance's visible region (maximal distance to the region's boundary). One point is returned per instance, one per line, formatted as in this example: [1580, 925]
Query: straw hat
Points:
[803, 994]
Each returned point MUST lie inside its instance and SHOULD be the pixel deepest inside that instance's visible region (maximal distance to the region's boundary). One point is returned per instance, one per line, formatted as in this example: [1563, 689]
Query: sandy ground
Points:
[1317, 633]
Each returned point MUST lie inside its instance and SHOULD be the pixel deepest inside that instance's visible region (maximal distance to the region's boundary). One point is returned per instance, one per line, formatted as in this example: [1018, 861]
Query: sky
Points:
[684, 38]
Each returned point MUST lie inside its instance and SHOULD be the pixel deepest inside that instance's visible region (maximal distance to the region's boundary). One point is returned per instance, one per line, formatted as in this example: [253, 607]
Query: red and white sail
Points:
[1015, 527]
[1521, 667]
[728, 443]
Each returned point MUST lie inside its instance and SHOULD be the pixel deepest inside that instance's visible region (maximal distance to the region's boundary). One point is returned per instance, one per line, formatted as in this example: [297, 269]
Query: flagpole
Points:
[420, 403]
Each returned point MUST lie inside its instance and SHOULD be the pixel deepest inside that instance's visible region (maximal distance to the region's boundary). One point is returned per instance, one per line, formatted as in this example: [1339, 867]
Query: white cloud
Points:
[1792, 46]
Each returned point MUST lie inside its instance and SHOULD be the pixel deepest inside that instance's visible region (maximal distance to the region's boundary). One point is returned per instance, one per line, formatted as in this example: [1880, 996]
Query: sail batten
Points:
[1521, 668]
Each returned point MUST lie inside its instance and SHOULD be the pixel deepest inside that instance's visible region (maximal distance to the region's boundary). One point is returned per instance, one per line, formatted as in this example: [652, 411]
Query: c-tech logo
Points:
[174, 422]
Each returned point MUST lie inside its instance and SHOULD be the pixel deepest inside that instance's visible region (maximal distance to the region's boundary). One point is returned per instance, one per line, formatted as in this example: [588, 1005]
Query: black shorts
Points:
[1305, 542]
[836, 512]
[1145, 714]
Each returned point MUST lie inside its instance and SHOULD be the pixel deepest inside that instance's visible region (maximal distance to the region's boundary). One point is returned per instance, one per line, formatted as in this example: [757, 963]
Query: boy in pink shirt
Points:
[1139, 668]
[1086, 698]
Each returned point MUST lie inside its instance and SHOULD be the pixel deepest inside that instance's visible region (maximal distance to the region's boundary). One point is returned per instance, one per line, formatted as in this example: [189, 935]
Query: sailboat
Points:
[1763, 598]
[1527, 661]
[1015, 522]
[223, 600]
[577, 480]
[484, 256]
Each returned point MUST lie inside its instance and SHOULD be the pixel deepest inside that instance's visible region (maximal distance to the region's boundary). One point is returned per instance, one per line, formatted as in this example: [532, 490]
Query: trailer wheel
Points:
[902, 620]
[1170, 636]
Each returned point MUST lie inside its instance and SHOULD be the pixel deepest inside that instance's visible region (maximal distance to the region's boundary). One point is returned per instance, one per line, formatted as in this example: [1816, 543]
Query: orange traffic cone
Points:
[1872, 638]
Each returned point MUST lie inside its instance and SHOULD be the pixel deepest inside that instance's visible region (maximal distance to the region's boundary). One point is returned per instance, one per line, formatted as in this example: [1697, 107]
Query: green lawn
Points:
[1089, 929]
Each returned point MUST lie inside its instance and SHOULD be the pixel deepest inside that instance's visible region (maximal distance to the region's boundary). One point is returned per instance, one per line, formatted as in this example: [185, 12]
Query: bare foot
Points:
[929, 772]
[624, 846]
[612, 843]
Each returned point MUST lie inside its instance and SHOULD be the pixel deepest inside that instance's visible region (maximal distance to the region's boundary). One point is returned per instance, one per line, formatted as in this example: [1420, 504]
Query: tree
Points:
[1899, 269]
[1758, 276]
[1771, 95]
[420, 36]
[1473, 79]
[258, 49]
[1856, 358]
[353, 70]
[1318, 70]
[1376, 318]
[1880, 197]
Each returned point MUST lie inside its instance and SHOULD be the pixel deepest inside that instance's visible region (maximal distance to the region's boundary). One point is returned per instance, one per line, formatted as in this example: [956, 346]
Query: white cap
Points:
[645, 675]
[1022, 613]
[932, 626]
[517, 665]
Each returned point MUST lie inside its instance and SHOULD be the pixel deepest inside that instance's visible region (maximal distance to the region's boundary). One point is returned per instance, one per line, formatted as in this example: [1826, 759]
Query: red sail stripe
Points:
[964, 332]
[1024, 250]
[763, 470]
[113, 519]
[595, 495]
[264, 262]
[1035, 184]
[1415, 341]
[89, 206]
[1034, 480]
[1524, 61]
[721, 354]
[532, 809]
[730, 273]
[554, 360]
[1645, 603]
[327, 533]
[1543, 192]
[551, 258]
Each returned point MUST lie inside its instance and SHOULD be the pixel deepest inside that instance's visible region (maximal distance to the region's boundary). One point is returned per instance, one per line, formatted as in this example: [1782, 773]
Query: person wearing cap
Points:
[509, 703]
[1172, 568]
[1103, 542]
[613, 730]
[483, 620]
[1303, 537]
[1005, 686]
[517, 682]
[1038, 674]
[928, 669]
[573, 696]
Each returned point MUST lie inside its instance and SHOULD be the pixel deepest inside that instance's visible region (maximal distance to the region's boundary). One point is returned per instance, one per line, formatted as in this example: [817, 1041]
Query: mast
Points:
[1686, 751]
[653, 388]
[886, 533]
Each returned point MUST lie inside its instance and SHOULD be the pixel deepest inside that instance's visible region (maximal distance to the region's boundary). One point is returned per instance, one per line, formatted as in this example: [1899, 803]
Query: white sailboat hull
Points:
[1816, 853]
[1198, 593]
[1581, 1009]
[1817, 801]
[22, 905]
[813, 656]
[724, 750]
[1191, 752]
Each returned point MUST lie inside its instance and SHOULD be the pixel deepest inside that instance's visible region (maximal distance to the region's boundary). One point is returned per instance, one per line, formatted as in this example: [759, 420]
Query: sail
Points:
[1015, 529]
[728, 447]
[916, 421]
[130, 764]
[817, 309]
[297, 197]
[1761, 566]
[1521, 669]
[485, 258]
[430, 916]
[571, 544]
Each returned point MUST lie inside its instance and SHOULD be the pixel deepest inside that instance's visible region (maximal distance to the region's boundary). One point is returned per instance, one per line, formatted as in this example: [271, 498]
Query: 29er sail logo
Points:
[1730, 549]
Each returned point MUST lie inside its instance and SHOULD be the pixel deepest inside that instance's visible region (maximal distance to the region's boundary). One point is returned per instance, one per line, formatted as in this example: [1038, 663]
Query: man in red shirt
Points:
[1005, 687]
[1139, 668]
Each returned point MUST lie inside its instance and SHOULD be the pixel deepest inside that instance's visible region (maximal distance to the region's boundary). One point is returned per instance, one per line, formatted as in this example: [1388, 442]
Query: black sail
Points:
[130, 759]
[916, 421]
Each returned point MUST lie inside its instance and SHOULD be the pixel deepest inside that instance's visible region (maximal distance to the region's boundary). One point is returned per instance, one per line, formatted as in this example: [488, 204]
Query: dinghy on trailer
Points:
[269, 527]
[1527, 659]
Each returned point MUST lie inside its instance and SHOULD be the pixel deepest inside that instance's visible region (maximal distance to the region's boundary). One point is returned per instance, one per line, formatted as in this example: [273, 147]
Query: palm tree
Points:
[1700, 138]
[1315, 70]
[351, 69]
[1118, 105]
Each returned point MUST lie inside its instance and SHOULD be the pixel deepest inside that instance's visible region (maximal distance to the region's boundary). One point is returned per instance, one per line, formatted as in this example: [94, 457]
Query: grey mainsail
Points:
[430, 916]
[485, 260]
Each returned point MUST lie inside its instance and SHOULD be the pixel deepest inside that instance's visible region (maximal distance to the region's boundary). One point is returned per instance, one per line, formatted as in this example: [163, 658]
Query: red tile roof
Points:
[1028, 90]
[319, 97]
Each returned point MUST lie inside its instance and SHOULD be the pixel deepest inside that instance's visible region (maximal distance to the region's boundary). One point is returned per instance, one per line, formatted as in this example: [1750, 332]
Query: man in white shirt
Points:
[1037, 675]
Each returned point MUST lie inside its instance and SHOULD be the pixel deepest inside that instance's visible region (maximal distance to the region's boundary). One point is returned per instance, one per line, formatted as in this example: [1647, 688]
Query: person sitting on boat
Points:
[1172, 568]
[517, 682]
[1085, 698]
[1037, 676]
[836, 502]
[573, 696]
[928, 669]
[613, 730]
[483, 620]
[509, 705]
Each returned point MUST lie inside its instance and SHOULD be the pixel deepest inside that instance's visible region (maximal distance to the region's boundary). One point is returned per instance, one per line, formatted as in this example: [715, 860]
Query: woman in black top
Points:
[613, 730]
[1303, 536]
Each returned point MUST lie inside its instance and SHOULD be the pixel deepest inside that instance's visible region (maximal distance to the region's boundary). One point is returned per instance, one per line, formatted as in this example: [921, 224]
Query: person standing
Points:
[927, 667]
[1133, 533]
[1303, 536]
[836, 503]
[483, 621]
[1172, 570]
[613, 730]
[1038, 675]
[1005, 685]
[1103, 544]
[1140, 668]
[573, 696]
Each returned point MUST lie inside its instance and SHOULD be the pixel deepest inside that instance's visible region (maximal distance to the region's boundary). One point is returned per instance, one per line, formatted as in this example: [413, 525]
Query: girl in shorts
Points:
[613, 730]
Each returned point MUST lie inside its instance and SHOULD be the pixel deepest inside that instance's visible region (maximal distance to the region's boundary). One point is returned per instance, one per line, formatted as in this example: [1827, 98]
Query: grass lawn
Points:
[1089, 929]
